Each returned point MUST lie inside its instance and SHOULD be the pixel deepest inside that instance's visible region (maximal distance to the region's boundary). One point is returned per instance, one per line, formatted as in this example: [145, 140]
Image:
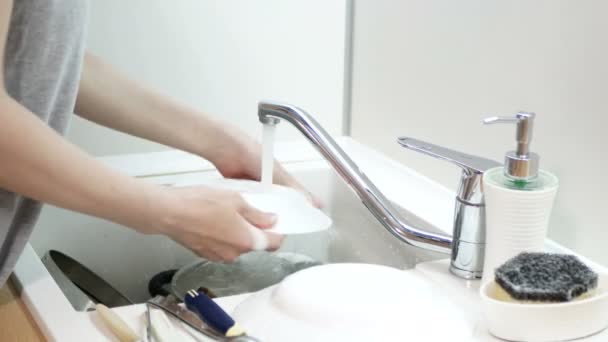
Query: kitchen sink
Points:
[128, 260]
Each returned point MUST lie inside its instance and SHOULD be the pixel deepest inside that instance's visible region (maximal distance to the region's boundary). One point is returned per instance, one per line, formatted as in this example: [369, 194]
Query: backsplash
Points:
[221, 57]
[433, 69]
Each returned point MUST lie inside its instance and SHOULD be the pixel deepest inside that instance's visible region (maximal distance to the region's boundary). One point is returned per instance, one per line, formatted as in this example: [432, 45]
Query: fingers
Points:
[220, 225]
[257, 217]
[261, 240]
[274, 241]
[316, 202]
[282, 177]
[224, 252]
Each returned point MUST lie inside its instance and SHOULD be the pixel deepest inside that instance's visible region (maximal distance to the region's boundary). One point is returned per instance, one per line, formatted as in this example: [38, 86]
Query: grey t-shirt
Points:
[42, 63]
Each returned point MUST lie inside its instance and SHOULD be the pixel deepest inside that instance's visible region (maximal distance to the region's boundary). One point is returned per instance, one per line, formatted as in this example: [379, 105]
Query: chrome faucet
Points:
[468, 241]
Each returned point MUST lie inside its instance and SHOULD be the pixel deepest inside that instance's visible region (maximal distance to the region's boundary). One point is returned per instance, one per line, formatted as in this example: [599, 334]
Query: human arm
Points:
[38, 163]
[111, 99]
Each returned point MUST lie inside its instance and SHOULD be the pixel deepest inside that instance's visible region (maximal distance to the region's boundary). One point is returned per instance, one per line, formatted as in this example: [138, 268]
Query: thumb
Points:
[261, 240]
[257, 217]
[274, 241]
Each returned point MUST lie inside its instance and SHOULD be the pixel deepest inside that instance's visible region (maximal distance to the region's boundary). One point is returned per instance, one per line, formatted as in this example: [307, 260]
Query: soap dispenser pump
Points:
[518, 197]
[521, 165]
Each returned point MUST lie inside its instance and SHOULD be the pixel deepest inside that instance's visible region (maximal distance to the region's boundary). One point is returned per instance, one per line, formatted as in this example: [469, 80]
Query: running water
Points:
[267, 153]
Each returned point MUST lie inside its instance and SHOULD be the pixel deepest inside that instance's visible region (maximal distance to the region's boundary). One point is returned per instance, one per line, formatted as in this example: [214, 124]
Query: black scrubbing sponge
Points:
[545, 277]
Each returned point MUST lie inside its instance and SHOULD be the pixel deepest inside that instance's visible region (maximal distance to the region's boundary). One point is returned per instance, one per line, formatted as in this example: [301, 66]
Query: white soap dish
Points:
[516, 321]
[295, 213]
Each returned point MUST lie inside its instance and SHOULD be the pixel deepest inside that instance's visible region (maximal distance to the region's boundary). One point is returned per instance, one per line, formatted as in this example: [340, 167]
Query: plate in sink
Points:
[295, 213]
[353, 302]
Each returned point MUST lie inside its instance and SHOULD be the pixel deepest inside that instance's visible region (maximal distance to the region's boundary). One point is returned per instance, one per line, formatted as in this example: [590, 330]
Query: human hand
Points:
[216, 224]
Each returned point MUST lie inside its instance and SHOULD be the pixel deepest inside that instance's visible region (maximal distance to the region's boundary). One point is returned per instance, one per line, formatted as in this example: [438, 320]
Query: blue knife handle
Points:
[209, 311]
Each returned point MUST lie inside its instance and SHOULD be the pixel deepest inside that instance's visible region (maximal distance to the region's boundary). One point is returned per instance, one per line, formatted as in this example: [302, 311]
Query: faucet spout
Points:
[369, 194]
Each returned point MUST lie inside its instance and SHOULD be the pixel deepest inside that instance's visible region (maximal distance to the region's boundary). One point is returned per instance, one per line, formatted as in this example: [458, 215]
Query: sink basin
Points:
[128, 260]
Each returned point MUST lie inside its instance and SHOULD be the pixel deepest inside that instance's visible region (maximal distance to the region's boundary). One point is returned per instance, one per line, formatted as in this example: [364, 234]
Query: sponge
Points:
[545, 277]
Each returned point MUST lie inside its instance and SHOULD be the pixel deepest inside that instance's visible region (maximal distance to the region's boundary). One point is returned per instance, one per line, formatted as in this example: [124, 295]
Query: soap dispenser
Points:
[518, 198]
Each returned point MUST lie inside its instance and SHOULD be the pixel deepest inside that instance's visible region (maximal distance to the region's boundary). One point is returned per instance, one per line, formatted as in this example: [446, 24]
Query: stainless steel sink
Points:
[128, 260]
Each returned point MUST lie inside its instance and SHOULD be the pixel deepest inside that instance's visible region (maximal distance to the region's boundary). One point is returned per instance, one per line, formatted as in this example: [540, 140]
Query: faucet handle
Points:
[470, 164]
[473, 167]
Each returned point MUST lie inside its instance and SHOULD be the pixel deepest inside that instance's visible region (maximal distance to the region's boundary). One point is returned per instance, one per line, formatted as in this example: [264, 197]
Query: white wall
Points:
[432, 69]
[222, 57]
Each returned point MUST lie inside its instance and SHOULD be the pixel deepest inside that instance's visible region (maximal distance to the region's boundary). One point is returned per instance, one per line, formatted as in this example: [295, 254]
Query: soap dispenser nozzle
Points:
[520, 164]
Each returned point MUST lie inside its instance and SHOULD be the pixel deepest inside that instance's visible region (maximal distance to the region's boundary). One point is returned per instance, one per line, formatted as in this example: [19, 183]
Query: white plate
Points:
[546, 321]
[353, 302]
[295, 213]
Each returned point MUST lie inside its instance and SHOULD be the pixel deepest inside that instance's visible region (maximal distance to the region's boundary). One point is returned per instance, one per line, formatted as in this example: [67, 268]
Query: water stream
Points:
[267, 153]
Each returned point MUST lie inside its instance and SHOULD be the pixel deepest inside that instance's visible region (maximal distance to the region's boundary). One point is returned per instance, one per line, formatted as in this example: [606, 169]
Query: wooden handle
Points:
[117, 326]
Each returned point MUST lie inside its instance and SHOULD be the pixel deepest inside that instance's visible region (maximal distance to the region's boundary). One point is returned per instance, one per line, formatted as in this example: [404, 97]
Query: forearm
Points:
[109, 98]
[38, 163]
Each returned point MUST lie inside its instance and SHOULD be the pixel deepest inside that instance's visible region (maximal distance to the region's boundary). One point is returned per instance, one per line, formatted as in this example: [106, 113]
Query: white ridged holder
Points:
[516, 220]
